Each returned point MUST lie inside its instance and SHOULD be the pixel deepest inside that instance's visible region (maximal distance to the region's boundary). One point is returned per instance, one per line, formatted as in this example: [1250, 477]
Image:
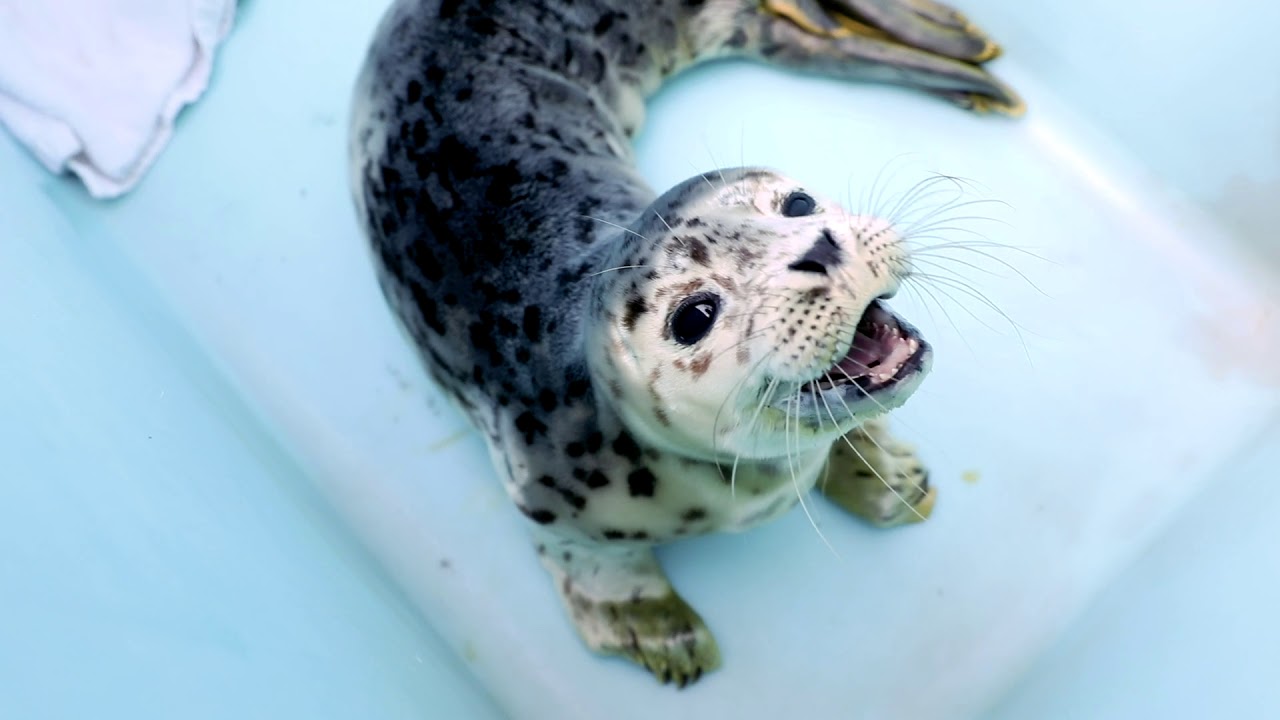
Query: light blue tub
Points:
[227, 491]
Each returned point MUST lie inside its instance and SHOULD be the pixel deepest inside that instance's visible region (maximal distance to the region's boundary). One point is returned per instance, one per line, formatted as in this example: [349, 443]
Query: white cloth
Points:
[93, 86]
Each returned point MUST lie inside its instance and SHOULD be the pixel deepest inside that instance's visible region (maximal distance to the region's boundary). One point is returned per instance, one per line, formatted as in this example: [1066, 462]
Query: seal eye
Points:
[694, 318]
[798, 204]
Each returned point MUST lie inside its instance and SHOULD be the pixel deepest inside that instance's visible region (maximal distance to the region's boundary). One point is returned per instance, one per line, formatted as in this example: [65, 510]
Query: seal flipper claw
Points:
[808, 14]
[942, 15]
[622, 604]
[878, 478]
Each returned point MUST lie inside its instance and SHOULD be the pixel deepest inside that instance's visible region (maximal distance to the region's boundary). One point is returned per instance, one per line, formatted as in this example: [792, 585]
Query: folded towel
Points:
[93, 86]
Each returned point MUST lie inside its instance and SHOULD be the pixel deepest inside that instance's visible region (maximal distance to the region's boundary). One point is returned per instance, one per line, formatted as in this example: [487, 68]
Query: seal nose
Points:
[825, 253]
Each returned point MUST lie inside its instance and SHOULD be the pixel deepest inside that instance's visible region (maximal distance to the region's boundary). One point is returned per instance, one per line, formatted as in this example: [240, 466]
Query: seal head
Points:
[743, 316]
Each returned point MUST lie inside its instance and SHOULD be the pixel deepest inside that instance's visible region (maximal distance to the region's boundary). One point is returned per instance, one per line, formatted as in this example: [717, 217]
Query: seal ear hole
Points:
[693, 319]
[799, 204]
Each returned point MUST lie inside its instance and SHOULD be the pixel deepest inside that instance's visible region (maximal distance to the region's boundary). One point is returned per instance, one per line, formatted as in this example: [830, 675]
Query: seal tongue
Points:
[879, 348]
[866, 353]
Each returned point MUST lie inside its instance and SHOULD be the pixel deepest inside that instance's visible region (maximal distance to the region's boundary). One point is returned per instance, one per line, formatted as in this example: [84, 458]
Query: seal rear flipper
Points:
[913, 43]
[621, 603]
[920, 23]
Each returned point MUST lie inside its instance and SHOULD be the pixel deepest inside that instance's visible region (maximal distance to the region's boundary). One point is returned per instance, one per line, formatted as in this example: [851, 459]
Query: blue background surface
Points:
[208, 509]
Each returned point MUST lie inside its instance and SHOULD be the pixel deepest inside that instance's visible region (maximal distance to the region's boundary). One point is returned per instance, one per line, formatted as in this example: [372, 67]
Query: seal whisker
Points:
[919, 436]
[944, 282]
[969, 290]
[873, 469]
[941, 266]
[702, 175]
[612, 269]
[972, 246]
[941, 306]
[875, 442]
[920, 281]
[921, 199]
[813, 393]
[830, 413]
[765, 397]
[716, 163]
[715, 424]
[933, 220]
[795, 481]
[874, 193]
[939, 184]
[915, 195]
[613, 224]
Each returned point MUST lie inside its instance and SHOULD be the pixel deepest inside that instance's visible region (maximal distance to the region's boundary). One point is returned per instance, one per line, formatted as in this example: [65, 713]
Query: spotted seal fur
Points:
[644, 368]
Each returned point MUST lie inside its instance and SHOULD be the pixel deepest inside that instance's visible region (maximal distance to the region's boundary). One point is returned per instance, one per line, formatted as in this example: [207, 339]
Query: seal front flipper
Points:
[866, 40]
[878, 478]
[622, 604]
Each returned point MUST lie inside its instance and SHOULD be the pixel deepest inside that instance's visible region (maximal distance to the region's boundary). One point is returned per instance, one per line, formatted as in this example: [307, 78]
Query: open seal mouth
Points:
[885, 352]
[884, 365]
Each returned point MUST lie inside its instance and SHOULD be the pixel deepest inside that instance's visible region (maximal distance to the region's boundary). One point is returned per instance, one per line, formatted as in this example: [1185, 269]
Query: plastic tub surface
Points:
[228, 489]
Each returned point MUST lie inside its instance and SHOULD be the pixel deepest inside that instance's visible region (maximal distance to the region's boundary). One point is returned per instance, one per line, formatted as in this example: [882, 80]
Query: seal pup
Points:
[645, 367]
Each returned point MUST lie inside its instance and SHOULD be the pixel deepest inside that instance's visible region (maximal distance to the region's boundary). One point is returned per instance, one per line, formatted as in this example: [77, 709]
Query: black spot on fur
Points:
[594, 441]
[482, 25]
[414, 91]
[693, 514]
[641, 483]
[481, 339]
[547, 481]
[448, 8]
[547, 400]
[577, 388]
[626, 447]
[603, 24]
[428, 308]
[577, 501]
[532, 323]
[636, 307]
[597, 480]
[614, 535]
[540, 516]
[502, 186]
[698, 252]
[574, 449]
[506, 328]
[530, 426]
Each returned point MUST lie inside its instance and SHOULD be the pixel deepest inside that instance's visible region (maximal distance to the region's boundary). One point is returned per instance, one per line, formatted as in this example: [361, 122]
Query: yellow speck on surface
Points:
[970, 476]
[469, 652]
[448, 440]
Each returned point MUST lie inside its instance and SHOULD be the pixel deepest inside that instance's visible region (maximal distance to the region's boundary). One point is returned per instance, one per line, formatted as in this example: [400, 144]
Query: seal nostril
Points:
[809, 266]
[824, 253]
